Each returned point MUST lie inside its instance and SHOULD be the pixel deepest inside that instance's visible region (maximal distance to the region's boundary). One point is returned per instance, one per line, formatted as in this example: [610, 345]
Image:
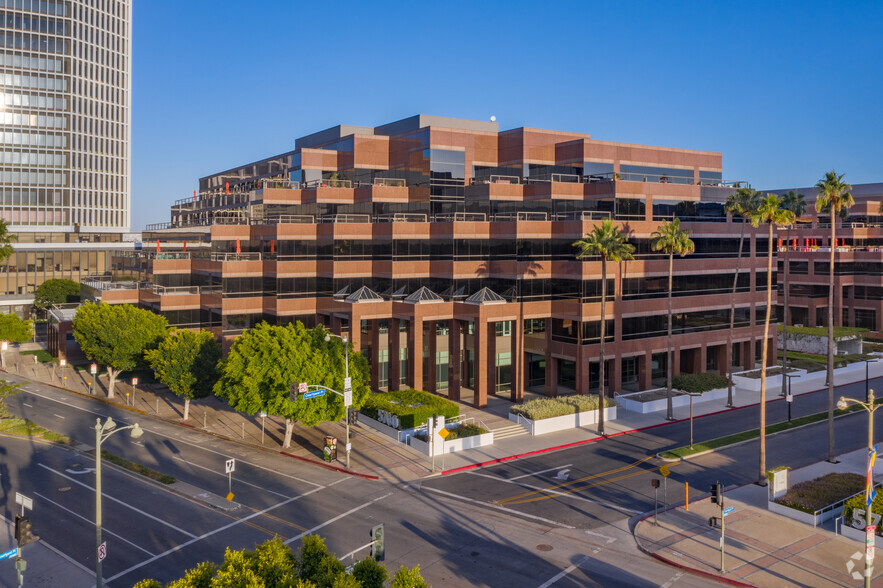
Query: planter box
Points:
[804, 517]
[859, 535]
[461, 444]
[400, 436]
[680, 400]
[564, 422]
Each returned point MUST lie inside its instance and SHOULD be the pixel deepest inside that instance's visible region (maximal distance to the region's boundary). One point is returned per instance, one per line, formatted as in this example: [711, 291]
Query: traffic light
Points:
[717, 494]
[377, 550]
[353, 416]
[23, 532]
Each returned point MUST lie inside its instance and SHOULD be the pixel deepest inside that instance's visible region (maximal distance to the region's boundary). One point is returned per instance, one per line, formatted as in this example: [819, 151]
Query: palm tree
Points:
[741, 203]
[795, 203]
[771, 212]
[834, 197]
[611, 244]
[671, 239]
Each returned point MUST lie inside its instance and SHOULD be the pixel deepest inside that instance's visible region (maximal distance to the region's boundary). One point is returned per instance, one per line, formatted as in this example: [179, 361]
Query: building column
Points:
[703, 360]
[551, 364]
[395, 362]
[482, 352]
[517, 352]
[335, 324]
[645, 371]
[615, 377]
[454, 353]
[723, 365]
[355, 332]
[374, 337]
[772, 352]
[675, 362]
[415, 353]
[582, 369]
[747, 355]
[432, 334]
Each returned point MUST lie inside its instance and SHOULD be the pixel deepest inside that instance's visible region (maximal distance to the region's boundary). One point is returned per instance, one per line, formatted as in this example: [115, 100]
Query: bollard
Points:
[243, 430]
[205, 420]
[686, 495]
[157, 406]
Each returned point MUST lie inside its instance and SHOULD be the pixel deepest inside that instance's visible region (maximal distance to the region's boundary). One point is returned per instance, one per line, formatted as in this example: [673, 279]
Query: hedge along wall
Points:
[413, 407]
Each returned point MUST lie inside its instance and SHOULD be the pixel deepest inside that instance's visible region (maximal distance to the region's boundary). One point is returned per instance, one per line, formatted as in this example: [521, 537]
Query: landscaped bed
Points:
[411, 407]
[699, 383]
[812, 362]
[815, 495]
[547, 408]
[459, 432]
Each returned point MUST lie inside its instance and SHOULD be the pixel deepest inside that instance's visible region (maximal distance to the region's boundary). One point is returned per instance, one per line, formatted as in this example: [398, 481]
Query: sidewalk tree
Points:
[671, 239]
[741, 203]
[770, 211]
[610, 244]
[15, 329]
[833, 197]
[408, 578]
[117, 336]
[264, 362]
[57, 291]
[187, 362]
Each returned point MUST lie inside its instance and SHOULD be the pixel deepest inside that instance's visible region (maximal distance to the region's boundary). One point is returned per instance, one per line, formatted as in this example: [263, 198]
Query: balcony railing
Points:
[173, 290]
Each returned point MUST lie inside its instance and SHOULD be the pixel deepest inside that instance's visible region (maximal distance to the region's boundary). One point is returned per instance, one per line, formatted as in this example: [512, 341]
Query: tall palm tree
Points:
[795, 203]
[671, 238]
[834, 197]
[770, 212]
[741, 203]
[611, 244]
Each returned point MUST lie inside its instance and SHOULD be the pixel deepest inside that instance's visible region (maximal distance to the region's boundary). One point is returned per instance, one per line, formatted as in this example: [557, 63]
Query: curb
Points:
[680, 566]
[192, 427]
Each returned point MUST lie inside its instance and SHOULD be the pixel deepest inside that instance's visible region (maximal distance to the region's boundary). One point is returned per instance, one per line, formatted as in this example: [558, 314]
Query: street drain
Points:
[64, 488]
[544, 547]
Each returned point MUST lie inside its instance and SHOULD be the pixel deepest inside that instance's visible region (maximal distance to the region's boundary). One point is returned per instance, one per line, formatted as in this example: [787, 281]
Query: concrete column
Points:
[582, 369]
[748, 355]
[355, 333]
[415, 353]
[703, 360]
[374, 337]
[395, 362]
[772, 354]
[645, 371]
[482, 352]
[675, 362]
[551, 364]
[454, 352]
[432, 384]
[518, 363]
[335, 324]
[723, 364]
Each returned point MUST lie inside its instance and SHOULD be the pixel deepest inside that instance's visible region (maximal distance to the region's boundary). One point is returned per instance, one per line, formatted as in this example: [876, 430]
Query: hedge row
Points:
[547, 408]
[698, 383]
[816, 494]
[413, 407]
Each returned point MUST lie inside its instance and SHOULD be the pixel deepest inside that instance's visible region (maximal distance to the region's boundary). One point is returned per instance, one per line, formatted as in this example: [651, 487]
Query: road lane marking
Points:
[28, 405]
[238, 481]
[59, 416]
[608, 538]
[338, 517]
[104, 529]
[138, 510]
[567, 465]
[496, 506]
[553, 493]
[209, 534]
[674, 579]
[564, 572]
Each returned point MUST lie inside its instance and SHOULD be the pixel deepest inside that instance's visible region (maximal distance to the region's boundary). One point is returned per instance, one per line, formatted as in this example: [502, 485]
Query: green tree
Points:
[370, 573]
[236, 572]
[316, 564]
[6, 240]
[117, 336]
[148, 584]
[770, 212]
[15, 329]
[57, 291]
[274, 563]
[741, 204]
[671, 238]
[408, 578]
[610, 244]
[187, 362]
[266, 360]
[833, 196]
[6, 390]
[796, 204]
[199, 577]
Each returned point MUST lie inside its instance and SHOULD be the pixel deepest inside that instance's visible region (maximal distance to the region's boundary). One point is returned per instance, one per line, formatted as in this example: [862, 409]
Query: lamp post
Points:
[789, 397]
[867, 380]
[346, 381]
[102, 432]
[692, 394]
[871, 407]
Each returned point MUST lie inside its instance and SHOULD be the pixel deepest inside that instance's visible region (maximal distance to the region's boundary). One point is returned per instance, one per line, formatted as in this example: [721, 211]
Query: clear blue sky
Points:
[785, 90]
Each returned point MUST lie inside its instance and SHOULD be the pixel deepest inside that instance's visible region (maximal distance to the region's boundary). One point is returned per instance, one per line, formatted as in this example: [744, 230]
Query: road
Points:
[153, 532]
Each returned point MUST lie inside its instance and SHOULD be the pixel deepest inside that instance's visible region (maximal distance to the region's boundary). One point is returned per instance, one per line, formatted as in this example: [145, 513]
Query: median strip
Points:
[137, 468]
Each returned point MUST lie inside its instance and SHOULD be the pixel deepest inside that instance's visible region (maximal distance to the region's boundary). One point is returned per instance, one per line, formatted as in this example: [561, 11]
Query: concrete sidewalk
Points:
[762, 548]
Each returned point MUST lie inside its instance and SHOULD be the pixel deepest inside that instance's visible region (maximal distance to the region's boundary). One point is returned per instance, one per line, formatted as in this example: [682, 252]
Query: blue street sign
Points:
[8, 554]
[728, 510]
[314, 393]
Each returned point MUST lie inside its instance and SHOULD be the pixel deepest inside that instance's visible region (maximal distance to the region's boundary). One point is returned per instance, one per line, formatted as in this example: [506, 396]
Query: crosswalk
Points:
[508, 432]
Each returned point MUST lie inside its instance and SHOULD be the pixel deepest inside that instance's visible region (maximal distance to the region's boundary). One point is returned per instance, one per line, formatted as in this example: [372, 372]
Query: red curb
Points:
[329, 466]
[585, 441]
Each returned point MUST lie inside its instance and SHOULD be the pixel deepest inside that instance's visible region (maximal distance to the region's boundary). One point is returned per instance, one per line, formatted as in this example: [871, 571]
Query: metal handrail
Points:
[249, 256]
[345, 218]
[328, 183]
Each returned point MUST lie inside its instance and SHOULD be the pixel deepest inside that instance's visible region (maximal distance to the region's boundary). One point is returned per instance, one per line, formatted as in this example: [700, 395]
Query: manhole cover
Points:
[544, 547]
[64, 488]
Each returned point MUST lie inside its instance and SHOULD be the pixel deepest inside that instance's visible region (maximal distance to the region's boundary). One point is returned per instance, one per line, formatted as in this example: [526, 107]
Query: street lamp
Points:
[102, 432]
[869, 406]
[692, 394]
[789, 397]
[346, 384]
[867, 380]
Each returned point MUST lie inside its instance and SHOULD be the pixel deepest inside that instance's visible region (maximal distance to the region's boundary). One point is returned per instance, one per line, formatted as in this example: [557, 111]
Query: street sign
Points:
[4, 346]
[347, 384]
[789, 398]
[230, 497]
[302, 387]
[263, 414]
[664, 471]
[347, 398]
[314, 393]
[102, 551]
[230, 466]
[728, 510]
[93, 369]
[24, 501]
[8, 554]
[134, 381]
[62, 362]
[444, 433]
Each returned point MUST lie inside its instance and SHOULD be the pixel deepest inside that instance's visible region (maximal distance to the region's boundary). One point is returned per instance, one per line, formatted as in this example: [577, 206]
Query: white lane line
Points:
[238, 481]
[103, 528]
[338, 517]
[138, 510]
[621, 509]
[59, 416]
[210, 533]
[607, 537]
[563, 573]
[497, 507]
[180, 440]
[567, 465]
[28, 405]
[674, 579]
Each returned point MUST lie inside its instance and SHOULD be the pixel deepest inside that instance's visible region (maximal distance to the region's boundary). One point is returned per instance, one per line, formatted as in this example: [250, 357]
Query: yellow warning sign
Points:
[444, 433]
[230, 497]
[664, 471]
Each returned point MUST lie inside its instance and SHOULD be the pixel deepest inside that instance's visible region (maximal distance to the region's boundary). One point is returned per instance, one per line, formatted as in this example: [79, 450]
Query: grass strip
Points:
[685, 451]
[42, 355]
[137, 468]
[26, 428]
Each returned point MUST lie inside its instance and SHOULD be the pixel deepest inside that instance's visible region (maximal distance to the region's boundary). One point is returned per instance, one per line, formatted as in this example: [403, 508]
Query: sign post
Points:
[229, 468]
[664, 471]
[20, 564]
[655, 483]
[263, 422]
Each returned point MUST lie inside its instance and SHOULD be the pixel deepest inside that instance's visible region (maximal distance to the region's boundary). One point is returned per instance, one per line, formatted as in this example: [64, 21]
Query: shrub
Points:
[698, 383]
[859, 502]
[546, 408]
[461, 430]
[872, 347]
[413, 407]
[817, 494]
[370, 573]
[42, 355]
